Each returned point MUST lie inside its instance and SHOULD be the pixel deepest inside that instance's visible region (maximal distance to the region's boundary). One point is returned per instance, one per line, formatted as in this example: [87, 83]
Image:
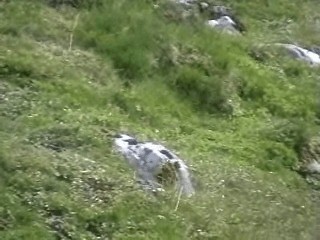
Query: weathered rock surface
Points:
[154, 164]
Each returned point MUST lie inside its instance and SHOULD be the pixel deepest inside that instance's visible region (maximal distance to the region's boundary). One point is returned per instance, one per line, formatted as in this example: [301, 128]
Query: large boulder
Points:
[154, 164]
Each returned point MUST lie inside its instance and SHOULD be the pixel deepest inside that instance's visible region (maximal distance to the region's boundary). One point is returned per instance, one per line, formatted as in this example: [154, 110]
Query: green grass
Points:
[238, 123]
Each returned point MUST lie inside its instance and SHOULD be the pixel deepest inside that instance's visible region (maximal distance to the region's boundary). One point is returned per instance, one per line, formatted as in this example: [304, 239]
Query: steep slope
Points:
[70, 77]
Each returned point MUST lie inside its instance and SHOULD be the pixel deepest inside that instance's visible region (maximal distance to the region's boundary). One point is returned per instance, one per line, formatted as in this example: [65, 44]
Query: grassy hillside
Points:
[71, 76]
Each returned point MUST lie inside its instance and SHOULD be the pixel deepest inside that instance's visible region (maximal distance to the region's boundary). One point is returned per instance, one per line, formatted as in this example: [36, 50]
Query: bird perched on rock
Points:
[154, 164]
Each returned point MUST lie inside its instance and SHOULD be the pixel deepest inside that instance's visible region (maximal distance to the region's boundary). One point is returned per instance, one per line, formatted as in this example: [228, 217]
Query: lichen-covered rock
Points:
[154, 164]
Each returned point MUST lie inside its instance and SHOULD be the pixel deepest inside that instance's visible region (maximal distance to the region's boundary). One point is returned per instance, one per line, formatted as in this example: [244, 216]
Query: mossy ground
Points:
[239, 123]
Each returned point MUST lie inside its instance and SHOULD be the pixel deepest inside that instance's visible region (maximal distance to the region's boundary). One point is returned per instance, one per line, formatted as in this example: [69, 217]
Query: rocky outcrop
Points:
[155, 165]
[225, 24]
[218, 16]
[225, 17]
[302, 54]
[310, 56]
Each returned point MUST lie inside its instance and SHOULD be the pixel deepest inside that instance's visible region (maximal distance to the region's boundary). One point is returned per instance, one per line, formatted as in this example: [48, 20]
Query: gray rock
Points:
[224, 23]
[154, 164]
[186, 2]
[217, 12]
[301, 53]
